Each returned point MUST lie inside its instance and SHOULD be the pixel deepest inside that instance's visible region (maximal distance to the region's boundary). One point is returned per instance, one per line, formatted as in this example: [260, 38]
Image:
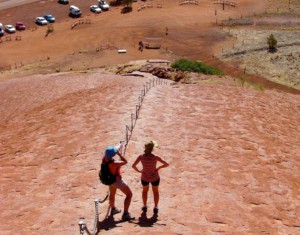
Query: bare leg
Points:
[145, 194]
[155, 195]
[126, 190]
[112, 194]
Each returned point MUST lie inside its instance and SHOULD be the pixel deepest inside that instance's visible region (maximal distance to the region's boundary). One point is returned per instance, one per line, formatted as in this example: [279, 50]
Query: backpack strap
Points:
[108, 163]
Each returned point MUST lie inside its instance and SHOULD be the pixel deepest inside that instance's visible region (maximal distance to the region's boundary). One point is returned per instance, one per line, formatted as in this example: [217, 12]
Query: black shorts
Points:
[155, 183]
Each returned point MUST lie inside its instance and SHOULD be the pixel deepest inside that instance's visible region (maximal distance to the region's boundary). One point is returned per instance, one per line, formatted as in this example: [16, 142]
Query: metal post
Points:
[136, 111]
[82, 227]
[96, 222]
[127, 138]
[132, 124]
[96, 217]
[122, 149]
[142, 95]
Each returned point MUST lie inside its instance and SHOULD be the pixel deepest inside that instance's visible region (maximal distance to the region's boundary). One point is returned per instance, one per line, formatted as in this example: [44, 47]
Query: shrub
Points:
[195, 66]
[272, 42]
[50, 28]
[126, 9]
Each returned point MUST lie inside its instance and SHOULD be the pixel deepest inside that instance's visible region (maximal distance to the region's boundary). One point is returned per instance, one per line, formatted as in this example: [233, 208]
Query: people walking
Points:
[150, 174]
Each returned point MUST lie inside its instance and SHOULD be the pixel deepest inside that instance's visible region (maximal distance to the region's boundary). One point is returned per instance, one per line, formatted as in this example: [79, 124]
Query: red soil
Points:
[192, 33]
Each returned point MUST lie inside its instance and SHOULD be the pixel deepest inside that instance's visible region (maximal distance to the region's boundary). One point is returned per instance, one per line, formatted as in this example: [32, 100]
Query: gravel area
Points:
[251, 51]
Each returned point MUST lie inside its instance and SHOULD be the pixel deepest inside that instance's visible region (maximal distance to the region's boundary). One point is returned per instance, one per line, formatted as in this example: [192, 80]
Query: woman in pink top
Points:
[149, 174]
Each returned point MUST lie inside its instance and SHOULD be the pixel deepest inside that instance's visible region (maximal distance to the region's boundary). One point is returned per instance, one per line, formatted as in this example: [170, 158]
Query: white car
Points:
[10, 29]
[95, 9]
[103, 5]
[41, 20]
[74, 11]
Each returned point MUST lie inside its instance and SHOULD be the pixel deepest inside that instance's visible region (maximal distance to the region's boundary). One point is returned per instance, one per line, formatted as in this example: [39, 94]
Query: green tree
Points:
[272, 42]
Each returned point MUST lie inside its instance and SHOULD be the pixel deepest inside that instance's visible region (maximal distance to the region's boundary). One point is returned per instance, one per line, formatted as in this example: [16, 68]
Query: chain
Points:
[122, 148]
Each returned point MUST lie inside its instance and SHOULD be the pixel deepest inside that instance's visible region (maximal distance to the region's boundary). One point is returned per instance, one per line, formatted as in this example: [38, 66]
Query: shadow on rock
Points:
[144, 221]
[109, 223]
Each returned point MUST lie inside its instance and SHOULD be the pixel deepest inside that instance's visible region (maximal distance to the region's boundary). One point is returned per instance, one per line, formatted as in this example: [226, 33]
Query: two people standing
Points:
[149, 175]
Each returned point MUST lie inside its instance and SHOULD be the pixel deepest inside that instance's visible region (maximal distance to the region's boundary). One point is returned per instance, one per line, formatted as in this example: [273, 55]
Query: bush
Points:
[126, 9]
[195, 66]
[272, 42]
[50, 28]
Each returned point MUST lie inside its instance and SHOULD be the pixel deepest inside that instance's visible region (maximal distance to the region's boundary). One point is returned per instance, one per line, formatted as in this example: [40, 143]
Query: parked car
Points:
[103, 5]
[20, 26]
[74, 11]
[95, 9]
[41, 21]
[1, 25]
[49, 18]
[9, 28]
[63, 1]
[1, 32]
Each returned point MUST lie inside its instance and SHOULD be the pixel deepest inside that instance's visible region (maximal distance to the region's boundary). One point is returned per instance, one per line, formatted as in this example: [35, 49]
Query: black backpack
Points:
[105, 176]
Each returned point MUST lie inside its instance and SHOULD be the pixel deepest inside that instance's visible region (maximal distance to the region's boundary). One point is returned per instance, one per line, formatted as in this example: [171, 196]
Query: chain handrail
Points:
[122, 148]
[96, 221]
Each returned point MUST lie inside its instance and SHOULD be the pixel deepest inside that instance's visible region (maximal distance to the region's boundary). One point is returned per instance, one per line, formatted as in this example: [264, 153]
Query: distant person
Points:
[114, 168]
[150, 174]
[141, 46]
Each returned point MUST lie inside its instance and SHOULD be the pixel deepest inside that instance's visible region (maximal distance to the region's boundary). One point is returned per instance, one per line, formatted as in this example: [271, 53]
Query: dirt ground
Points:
[186, 31]
[251, 52]
[233, 151]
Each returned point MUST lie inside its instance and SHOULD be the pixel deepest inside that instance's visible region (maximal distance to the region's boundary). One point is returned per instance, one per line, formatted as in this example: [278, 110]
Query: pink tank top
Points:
[149, 172]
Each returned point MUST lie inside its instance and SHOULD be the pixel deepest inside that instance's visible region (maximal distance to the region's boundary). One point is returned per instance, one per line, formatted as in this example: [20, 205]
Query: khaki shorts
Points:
[120, 183]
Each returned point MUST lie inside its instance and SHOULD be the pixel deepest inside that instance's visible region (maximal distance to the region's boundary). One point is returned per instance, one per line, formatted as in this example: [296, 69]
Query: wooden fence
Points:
[184, 2]
[144, 6]
[228, 3]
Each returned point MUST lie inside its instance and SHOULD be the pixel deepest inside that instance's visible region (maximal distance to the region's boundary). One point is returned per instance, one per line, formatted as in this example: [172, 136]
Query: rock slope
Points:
[233, 154]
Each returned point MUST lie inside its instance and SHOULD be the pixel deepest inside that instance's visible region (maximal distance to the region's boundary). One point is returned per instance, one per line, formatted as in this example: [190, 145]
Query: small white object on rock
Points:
[122, 51]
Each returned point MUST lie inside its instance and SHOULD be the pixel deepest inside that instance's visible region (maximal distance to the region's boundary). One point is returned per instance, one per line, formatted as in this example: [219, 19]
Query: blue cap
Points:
[110, 151]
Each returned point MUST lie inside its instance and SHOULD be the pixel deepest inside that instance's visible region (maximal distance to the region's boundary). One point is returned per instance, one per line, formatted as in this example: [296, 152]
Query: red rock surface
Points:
[233, 151]
[233, 154]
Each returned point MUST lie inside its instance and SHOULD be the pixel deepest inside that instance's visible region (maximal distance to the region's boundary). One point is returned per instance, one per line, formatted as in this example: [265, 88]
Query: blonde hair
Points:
[150, 146]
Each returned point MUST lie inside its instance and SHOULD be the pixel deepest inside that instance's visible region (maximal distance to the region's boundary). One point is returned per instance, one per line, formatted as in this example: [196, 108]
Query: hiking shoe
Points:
[155, 210]
[144, 209]
[115, 210]
[127, 216]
